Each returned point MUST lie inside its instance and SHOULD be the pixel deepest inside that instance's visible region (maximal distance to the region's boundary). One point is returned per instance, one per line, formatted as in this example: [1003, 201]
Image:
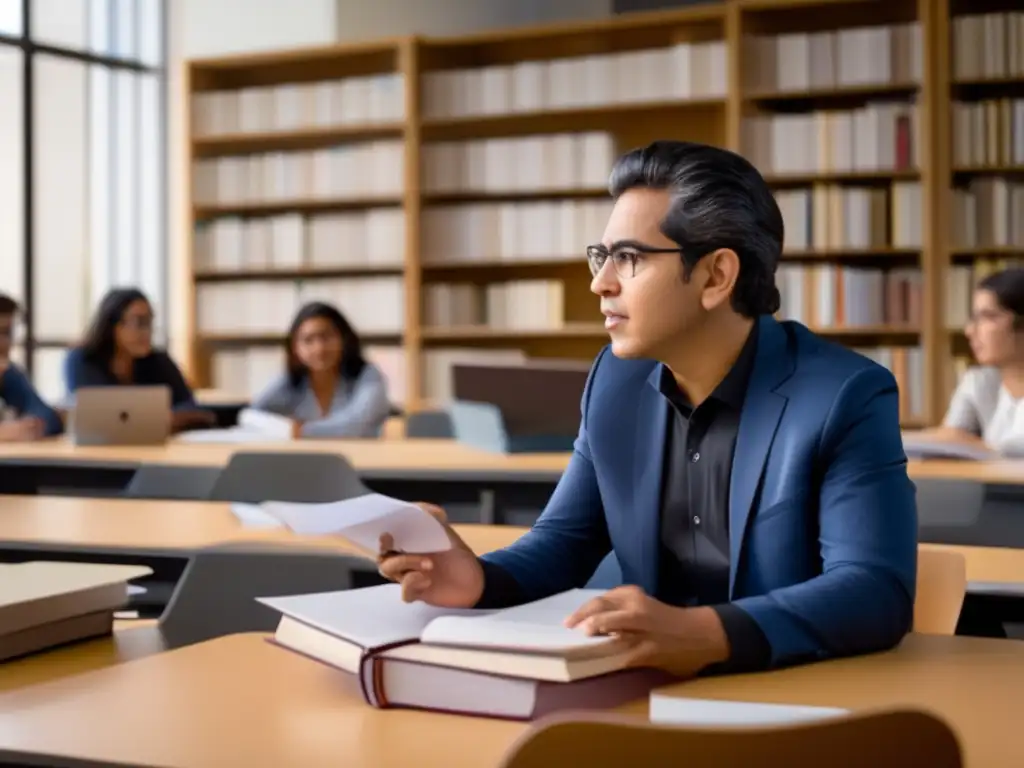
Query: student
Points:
[118, 351]
[23, 414]
[988, 405]
[748, 476]
[328, 389]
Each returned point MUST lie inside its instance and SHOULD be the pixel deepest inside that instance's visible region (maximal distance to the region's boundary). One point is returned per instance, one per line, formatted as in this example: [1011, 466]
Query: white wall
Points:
[222, 27]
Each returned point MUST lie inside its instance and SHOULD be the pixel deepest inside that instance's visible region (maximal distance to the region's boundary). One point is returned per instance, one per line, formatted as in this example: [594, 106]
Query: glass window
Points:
[101, 140]
[125, 29]
[60, 23]
[10, 18]
[150, 50]
[125, 178]
[12, 184]
[151, 168]
[48, 373]
[100, 22]
[59, 309]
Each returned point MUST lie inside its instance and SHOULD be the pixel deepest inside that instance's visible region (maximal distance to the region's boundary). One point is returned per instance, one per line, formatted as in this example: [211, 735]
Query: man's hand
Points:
[452, 579]
[22, 430]
[682, 641]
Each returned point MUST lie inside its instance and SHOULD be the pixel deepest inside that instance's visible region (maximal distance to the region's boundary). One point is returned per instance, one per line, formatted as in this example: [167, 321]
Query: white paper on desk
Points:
[253, 516]
[363, 520]
[673, 710]
[919, 447]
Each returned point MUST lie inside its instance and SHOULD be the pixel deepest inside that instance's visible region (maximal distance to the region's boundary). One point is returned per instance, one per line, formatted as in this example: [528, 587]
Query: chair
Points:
[166, 481]
[217, 593]
[429, 424]
[311, 478]
[881, 739]
[941, 588]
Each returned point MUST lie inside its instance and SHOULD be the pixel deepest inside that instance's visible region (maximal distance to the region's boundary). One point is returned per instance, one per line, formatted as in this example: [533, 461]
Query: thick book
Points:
[519, 663]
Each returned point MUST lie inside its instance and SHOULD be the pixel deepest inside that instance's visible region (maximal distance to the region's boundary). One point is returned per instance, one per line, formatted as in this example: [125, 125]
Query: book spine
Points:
[371, 674]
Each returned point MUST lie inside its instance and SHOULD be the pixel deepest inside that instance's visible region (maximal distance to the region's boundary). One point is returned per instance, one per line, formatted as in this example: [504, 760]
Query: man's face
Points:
[6, 336]
[650, 307]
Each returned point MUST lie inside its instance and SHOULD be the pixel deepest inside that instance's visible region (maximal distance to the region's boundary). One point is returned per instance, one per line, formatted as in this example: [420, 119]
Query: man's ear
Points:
[723, 271]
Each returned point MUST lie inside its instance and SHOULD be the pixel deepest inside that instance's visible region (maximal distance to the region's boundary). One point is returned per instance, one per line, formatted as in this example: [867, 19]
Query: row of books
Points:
[247, 370]
[827, 216]
[838, 296]
[988, 46]
[988, 133]
[988, 212]
[488, 232]
[351, 101]
[522, 305]
[374, 305]
[960, 282]
[562, 161]
[907, 366]
[374, 169]
[877, 137]
[675, 73]
[833, 59]
[374, 237]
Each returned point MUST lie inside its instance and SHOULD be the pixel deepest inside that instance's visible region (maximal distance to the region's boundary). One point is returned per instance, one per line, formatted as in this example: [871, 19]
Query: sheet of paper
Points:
[370, 617]
[536, 627]
[269, 425]
[363, 519]
[253, 516]
[673, 710]
[920, 447]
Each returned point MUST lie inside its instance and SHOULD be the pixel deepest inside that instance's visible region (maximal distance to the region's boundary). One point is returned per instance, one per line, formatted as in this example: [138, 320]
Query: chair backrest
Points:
[167, 481]
[429, 424]
[311, 478]
[885, 739]
[217, 592]
[941, 588]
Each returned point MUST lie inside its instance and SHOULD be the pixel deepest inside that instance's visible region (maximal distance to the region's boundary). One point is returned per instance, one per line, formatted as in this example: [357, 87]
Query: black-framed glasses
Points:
[626, 259]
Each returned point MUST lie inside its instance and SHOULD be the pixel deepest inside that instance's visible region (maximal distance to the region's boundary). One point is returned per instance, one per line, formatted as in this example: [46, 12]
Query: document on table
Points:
[675, 710]
[361, 520]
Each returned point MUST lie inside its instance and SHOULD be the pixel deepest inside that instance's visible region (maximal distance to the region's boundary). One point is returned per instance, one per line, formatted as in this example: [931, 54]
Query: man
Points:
[748, 476]
[23, 414]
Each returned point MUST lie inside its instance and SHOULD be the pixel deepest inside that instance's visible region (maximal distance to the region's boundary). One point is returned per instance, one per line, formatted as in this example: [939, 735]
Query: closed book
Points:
[519, 663]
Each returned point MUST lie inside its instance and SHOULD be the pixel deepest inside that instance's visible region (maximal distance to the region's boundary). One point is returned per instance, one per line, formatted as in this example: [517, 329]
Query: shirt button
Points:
[696, 457]
[696, 519]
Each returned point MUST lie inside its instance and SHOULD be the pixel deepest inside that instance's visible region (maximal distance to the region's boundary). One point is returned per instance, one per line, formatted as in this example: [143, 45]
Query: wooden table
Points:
[57, 522]
[238, 700]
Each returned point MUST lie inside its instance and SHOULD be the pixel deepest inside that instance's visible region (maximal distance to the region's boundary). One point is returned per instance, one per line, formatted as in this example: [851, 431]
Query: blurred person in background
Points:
[23, 413]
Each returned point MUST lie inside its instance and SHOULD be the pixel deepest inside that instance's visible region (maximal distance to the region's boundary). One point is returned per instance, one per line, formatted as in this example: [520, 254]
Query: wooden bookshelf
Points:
[442, 190]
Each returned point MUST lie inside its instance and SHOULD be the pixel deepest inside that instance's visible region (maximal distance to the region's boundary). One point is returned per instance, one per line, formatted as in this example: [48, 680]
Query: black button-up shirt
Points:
[694, 541]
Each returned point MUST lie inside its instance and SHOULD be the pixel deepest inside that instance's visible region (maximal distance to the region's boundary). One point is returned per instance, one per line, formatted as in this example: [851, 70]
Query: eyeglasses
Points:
[137, 323]
[626, 259]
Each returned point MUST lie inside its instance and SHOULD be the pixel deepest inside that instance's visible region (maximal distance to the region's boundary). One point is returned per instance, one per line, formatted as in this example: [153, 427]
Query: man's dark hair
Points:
[8, 306]
[1008, 288]
[719, 200]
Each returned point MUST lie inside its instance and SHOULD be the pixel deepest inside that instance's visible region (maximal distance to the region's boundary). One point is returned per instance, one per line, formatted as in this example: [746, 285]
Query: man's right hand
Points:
[452, 579]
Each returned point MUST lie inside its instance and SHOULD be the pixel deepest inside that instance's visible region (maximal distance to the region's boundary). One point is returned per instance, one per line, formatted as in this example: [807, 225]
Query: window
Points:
[82, 116]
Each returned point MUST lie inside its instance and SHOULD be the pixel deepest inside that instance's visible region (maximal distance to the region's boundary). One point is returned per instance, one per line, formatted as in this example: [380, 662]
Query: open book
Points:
[253, 427]
[360, 520]
[918, 446]
[515, 663]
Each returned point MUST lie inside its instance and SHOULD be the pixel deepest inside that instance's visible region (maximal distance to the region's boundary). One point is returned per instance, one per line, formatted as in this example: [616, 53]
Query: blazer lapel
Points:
[762, 410]
[648, 462]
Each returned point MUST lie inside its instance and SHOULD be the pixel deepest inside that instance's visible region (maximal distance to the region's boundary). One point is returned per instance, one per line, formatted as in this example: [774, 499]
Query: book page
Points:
[369, 617]
[536, 627]
[674, 710]
[363, 519]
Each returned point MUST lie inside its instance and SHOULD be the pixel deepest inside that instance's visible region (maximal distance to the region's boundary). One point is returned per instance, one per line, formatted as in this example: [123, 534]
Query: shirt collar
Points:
[732, 389]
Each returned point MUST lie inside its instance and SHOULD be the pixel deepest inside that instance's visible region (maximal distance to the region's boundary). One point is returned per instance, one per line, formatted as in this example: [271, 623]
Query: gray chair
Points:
[308, 478]
[429, 424]
[217, 593]
[166, 481]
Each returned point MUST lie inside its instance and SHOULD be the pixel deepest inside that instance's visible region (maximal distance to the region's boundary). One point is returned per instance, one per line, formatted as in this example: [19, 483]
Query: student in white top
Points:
[329, 389]
[988, 405]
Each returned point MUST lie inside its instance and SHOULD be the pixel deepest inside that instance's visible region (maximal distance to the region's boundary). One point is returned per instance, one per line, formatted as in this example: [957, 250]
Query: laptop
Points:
[121, 416]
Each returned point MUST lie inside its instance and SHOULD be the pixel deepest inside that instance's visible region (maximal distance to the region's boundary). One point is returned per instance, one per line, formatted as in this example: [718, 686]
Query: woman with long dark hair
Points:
[118, 351]
[328, 388]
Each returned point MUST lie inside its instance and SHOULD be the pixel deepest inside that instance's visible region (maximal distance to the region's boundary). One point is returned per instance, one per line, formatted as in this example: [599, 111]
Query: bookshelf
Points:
[441, 191]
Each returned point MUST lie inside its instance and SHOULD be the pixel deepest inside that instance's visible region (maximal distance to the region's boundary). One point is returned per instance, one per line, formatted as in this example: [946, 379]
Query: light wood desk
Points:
[61, 522]
[238, 700]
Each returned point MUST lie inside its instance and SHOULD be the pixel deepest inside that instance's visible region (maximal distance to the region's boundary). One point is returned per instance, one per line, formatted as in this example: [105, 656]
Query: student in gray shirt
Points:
[988, 405]
[329, 389]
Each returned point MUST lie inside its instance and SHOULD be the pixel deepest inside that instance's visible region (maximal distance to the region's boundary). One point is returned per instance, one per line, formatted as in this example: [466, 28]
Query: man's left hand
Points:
[682, 641]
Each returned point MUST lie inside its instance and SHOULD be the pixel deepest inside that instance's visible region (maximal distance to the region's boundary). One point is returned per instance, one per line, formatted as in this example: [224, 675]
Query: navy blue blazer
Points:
[822, 512]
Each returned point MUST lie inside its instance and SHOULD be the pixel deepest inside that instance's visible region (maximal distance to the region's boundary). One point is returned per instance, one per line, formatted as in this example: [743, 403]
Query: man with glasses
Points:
[748, 476]
[23, 414]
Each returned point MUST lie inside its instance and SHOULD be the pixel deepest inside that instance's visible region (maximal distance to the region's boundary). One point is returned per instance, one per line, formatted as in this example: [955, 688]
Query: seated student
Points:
[328, 389]
[23, 414]
[118, 351]
[748, 475]
[988, 405]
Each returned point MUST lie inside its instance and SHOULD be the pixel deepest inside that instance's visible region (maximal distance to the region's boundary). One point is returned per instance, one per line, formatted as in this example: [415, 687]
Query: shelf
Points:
[302, 273]
[512, 195]
[842, 177]
[291, 206]
[278, 141]
[837, 96]
[264, 340]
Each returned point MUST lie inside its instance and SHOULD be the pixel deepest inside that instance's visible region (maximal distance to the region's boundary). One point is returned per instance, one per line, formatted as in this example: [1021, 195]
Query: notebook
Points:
[678, 710]
[517, 663]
